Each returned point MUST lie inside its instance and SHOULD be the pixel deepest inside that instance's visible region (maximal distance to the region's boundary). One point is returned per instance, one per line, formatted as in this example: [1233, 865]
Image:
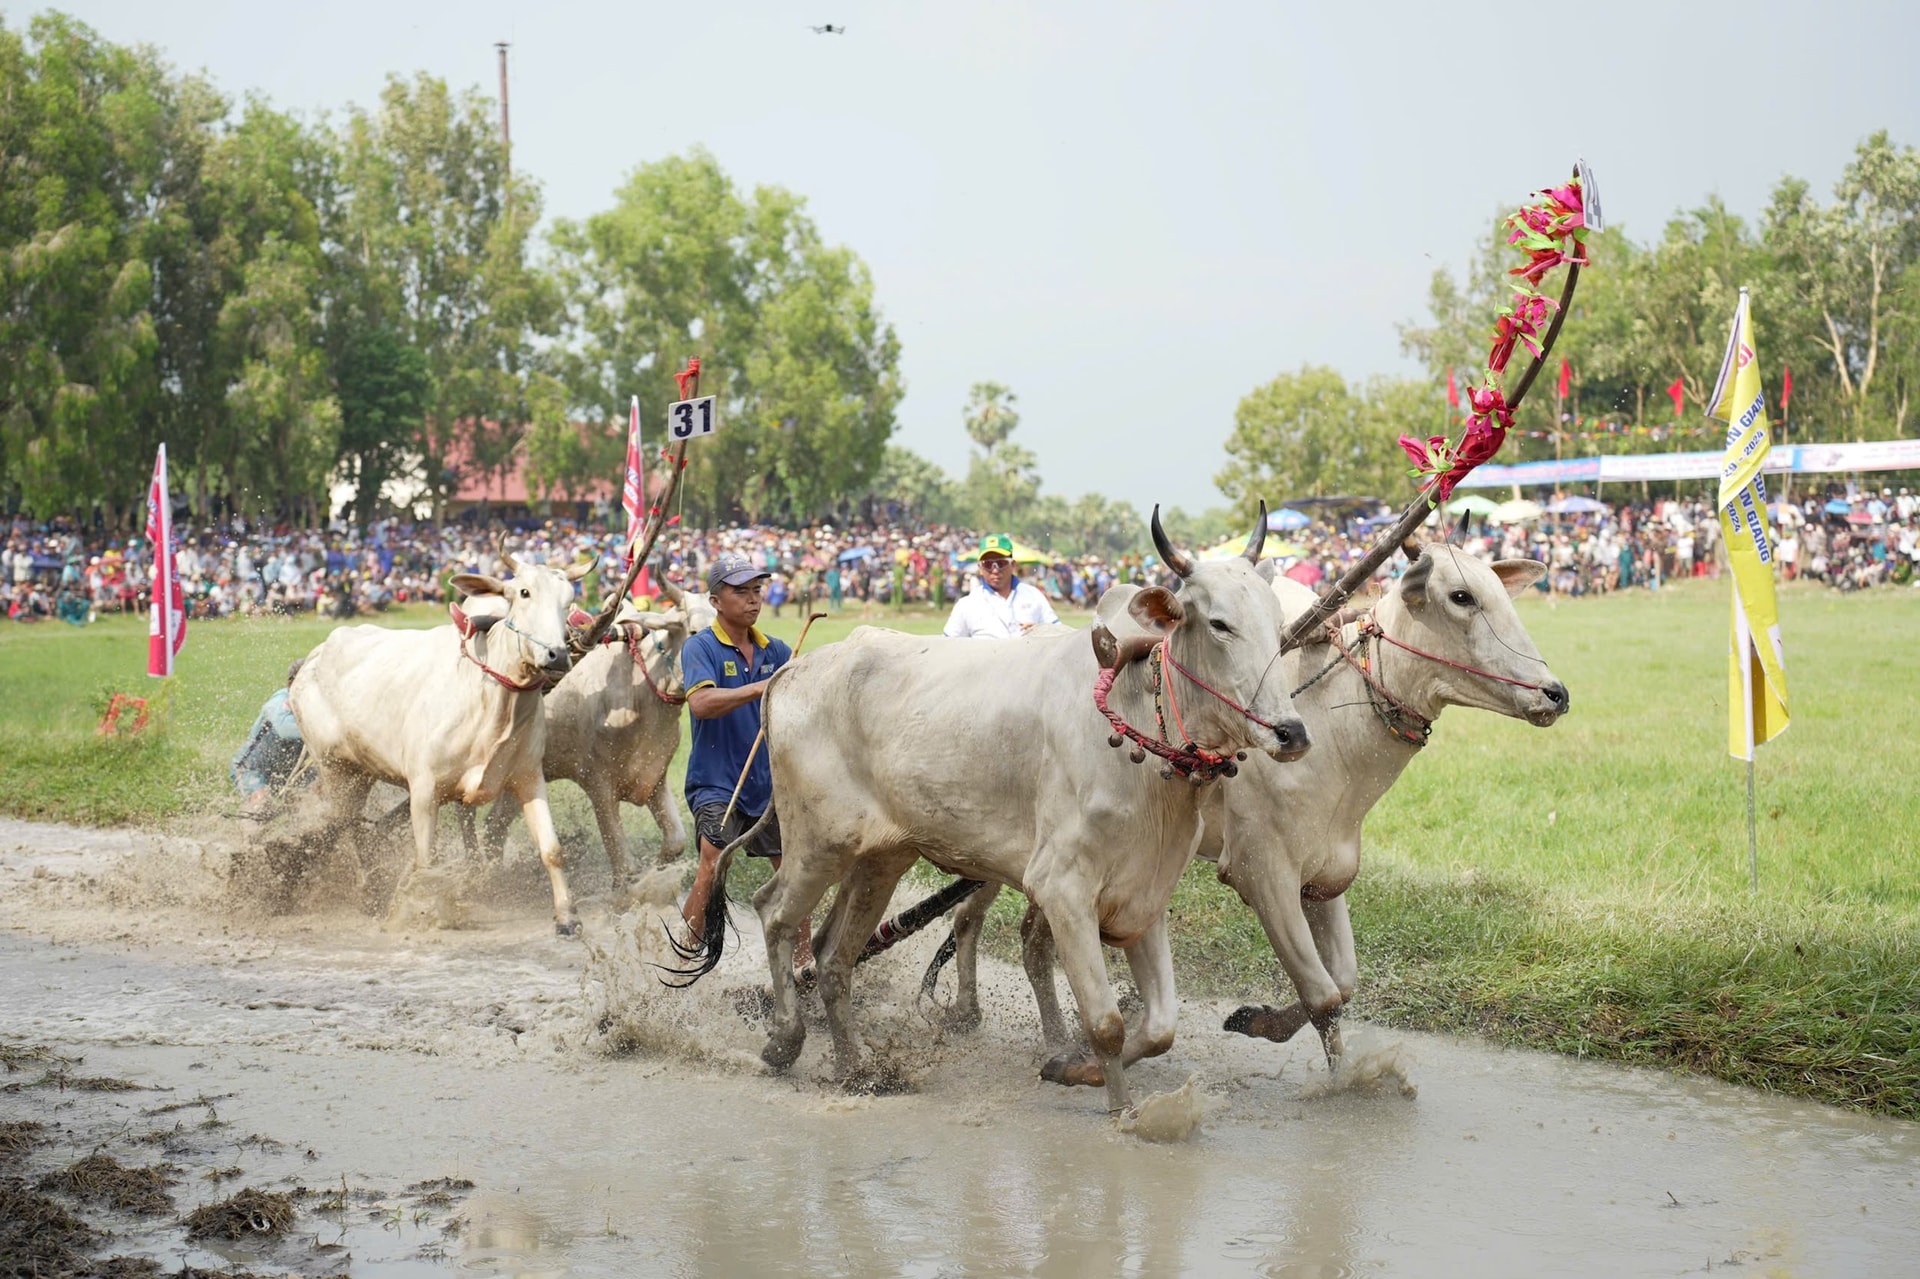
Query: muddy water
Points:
[611, 1127]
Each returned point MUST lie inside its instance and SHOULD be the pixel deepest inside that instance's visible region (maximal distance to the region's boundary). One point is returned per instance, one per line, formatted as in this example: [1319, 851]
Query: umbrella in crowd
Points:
[1837, 507]
[1576, 505]
[1515, 512]
[856, 553]
[1472, 504]
[1238, 546]
[1306, 572]
[1286, 519]
[1859, 517]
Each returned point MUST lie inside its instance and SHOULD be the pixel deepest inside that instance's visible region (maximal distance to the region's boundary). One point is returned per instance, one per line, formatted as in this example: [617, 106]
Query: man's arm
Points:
[711, 701]
[957, 627]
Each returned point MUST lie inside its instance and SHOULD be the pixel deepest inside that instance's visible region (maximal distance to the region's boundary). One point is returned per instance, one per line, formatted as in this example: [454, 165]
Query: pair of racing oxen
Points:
[1018, 764]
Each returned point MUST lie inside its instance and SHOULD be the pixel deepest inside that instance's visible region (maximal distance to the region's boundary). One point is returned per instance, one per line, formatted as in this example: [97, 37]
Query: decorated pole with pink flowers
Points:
[1553, 232]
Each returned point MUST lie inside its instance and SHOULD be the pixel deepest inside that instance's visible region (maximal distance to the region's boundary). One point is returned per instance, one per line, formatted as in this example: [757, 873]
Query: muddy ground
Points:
[467, 1093]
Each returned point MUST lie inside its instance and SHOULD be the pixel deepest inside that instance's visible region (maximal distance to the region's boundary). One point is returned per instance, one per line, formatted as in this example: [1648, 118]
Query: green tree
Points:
[383, 388]
[424, 244]
[1846, 273]
[915, 488]
[805, 367]
[990, 415]
[81, 140]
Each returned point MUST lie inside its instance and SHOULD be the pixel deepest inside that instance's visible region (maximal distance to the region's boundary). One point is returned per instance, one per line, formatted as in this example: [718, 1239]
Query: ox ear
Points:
[1518, 575]
[478, 584]
[1268, 570]
[662, 621]
[1156, 608]
[1413, 582]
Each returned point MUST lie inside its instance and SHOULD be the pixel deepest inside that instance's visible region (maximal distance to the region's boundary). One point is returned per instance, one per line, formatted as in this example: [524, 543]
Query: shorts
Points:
[706, 822]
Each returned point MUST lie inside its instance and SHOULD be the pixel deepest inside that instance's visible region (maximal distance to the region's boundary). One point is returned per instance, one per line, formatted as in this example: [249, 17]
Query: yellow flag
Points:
[1757, 674]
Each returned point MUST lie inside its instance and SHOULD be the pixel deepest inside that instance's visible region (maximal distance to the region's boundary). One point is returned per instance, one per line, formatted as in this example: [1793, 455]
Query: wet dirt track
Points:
[612, 1127]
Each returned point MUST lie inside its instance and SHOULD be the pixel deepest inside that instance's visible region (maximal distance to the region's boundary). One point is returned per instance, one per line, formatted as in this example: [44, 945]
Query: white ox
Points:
[451, 714]
[1287, 839]
[992, 761]
[613, 726]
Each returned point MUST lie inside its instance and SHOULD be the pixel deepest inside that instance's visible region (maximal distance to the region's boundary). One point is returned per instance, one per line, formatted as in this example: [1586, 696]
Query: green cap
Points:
[996, 544]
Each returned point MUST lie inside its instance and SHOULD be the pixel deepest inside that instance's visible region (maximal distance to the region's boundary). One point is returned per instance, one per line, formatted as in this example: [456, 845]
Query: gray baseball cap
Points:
[733, 569]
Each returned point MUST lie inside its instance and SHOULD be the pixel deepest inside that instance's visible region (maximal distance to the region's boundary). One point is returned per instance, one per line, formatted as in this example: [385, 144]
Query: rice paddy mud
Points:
[204, 1070]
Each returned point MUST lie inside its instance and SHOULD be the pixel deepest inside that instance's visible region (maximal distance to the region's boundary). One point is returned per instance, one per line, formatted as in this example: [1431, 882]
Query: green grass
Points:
[1581, 888]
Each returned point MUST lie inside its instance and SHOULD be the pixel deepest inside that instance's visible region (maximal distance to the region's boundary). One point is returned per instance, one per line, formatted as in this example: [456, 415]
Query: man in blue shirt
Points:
[727, 667]
[271, 751]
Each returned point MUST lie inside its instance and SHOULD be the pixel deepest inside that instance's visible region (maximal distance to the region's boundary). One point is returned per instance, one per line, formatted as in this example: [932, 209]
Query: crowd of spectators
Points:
[56, 571]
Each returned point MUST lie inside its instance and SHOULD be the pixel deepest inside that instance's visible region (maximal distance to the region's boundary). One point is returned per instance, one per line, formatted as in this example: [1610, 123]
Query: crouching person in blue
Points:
[272, 749]
[727, 667]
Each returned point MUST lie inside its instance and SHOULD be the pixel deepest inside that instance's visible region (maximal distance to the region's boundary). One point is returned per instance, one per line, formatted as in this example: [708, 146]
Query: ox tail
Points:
[941, 958]
[703, 956]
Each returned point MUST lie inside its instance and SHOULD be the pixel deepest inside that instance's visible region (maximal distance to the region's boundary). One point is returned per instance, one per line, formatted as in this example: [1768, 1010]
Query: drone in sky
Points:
[829, 30]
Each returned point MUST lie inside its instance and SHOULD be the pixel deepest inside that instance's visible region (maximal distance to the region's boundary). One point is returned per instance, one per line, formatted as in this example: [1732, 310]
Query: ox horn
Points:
[507, 565]
[1411, 549]
[1176, 560]
[1258, 538]
[675, 596]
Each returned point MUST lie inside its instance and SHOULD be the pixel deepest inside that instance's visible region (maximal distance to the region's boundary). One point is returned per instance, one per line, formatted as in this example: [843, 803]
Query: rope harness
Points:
[1405, 723]
[635, 639]
[467, 630]
[1189, 759]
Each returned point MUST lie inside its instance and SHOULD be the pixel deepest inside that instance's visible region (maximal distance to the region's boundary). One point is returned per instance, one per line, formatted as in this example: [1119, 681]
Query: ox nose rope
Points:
[1400, 719]
[464, 627]
[1189, 759]
[635, 641]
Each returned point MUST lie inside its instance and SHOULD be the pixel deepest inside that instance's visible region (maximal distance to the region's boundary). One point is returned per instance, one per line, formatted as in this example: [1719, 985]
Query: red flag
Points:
[167, 623]
[1566, 379]
[633, 496]
[1786, 387]
[1453, 392]
[1679, 393]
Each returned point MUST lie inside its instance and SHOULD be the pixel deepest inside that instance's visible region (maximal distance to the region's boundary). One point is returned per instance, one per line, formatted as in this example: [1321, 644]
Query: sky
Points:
[1131, 214]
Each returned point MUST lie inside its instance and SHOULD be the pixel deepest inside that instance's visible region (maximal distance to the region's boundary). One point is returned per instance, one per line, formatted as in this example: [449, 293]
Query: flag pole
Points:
[1753, 844]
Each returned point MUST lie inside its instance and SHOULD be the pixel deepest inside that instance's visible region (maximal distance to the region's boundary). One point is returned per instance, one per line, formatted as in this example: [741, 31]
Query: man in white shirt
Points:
[1001, 606]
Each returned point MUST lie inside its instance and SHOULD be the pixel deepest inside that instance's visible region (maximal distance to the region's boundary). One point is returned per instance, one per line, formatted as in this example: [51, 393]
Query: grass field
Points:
[1582, 888]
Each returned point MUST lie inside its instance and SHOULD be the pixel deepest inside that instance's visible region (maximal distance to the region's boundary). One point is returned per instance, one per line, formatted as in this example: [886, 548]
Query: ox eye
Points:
[1220, 626]
[1463, 598]
[525, 594]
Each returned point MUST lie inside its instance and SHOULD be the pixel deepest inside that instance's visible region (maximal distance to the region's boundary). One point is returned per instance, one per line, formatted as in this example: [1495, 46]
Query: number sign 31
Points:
[688, 418]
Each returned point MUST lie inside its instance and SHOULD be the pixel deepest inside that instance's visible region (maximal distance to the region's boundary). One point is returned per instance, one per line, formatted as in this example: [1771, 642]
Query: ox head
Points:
[686, 614]
[525, 623]
[1224, 627]
[1460, 610]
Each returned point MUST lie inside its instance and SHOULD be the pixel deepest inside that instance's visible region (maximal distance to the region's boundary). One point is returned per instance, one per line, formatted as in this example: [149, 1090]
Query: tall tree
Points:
[1848, 270]
[805, 368]
[81, 136]
[426, 246]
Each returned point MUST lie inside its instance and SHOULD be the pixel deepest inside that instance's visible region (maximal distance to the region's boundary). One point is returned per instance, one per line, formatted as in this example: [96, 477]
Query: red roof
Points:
[508, 486]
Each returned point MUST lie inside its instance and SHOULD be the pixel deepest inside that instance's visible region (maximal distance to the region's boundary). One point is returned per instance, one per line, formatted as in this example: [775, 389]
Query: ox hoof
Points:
[1076, 1068]
[1328, 1024]
[781, 1053]
[566, 928]
[1257, 1021]
[963, 1020]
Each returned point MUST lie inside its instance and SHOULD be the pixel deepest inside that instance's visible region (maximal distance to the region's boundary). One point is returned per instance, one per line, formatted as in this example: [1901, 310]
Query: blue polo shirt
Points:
[720, 745]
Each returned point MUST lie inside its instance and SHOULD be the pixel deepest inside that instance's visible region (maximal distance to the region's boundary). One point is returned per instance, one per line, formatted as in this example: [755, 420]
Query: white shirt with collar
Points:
[987, 614]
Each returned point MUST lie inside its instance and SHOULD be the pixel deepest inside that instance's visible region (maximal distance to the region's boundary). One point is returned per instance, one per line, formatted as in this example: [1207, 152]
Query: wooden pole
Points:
[1310, 622]
[650, 533]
